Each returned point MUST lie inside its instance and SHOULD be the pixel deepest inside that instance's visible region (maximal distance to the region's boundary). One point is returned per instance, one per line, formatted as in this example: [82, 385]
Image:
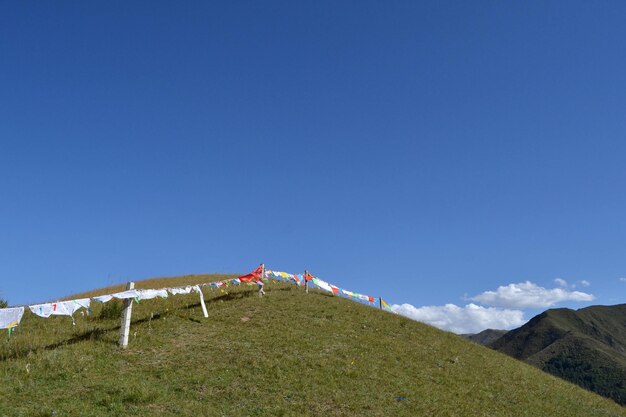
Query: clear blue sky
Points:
[425, 151]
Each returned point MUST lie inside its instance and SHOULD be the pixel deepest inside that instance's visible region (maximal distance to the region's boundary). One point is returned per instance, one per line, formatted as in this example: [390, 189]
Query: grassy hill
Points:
[288, 354]
[587, 347]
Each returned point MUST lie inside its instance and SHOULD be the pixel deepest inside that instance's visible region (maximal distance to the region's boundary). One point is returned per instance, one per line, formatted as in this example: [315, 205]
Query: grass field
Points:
[286, 354]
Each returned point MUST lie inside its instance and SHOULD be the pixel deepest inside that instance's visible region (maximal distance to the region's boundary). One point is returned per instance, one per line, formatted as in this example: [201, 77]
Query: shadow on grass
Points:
[91, 334]
[100, 334]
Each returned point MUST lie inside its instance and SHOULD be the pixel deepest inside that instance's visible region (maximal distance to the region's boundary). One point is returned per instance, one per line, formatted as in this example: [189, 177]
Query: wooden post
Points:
[206, 314]
[306, 281]
[126, 314]
[261, 291]
[381, 302]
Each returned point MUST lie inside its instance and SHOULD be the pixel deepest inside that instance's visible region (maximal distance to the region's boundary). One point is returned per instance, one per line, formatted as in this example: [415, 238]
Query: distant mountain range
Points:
[486, 337]
[586, 346]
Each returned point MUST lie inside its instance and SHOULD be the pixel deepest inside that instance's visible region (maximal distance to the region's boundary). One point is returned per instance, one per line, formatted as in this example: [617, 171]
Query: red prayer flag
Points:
[308, 276]
[253, 276]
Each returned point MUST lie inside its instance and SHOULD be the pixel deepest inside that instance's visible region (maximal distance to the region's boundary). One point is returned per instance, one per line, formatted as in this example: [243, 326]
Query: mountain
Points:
[285, 354]
[586, 347]
[486, 337]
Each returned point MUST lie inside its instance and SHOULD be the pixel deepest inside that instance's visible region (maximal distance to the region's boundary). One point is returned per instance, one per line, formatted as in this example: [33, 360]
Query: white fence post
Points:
[126, 314]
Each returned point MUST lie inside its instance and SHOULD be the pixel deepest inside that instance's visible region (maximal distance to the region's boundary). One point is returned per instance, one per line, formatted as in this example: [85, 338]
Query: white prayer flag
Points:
[62, 308]
[150, 294]
[10, 317]
[199, 291]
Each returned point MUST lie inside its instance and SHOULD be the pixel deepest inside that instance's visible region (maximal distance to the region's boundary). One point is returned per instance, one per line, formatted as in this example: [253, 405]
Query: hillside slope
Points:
[586, 347]
[288, 353]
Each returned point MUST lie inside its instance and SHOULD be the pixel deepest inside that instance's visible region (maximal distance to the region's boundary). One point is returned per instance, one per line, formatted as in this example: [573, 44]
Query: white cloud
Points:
[563, 283]
[469, 319]
[529, 295]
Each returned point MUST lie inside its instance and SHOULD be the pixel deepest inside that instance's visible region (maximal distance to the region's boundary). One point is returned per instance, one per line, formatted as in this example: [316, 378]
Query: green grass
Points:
[286, 354]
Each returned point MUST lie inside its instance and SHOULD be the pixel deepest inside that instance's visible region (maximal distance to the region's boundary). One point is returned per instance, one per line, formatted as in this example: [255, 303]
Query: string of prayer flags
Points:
[279, 276]
[10, 317]
[358, 297]
[137, 295]
[284, 276]
[345, 293]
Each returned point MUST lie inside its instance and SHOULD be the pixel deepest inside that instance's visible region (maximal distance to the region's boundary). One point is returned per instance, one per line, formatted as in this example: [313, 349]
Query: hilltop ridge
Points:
[288, 353]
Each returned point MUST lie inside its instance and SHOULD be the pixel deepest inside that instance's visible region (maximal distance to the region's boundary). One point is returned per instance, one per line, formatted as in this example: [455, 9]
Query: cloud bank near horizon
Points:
[469, 319]
[529, 295]
[500, 309]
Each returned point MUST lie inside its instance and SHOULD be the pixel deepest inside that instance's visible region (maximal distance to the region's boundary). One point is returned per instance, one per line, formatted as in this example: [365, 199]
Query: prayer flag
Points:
[323, 285]
[197, 289]
[103, 298]
[62, 308]
[180, 290]
[10, 317]
[253, 276]
[150, 294]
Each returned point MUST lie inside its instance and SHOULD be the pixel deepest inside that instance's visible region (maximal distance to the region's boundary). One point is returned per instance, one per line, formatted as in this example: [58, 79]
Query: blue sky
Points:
[425, 152]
